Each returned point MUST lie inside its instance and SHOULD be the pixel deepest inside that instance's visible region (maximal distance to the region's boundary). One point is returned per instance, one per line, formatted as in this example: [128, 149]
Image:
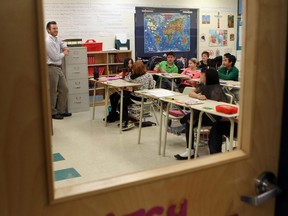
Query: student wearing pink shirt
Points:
[192, 73]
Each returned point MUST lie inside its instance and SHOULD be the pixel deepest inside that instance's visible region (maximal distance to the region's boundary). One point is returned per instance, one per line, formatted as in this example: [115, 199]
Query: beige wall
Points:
[101, 20]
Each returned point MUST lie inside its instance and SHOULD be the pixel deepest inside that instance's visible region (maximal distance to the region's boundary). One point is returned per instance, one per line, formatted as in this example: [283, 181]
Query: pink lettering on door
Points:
[158, 210]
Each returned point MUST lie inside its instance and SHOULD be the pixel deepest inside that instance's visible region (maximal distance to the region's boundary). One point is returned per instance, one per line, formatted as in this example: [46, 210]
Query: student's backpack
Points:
[180, 64]
[154, 60]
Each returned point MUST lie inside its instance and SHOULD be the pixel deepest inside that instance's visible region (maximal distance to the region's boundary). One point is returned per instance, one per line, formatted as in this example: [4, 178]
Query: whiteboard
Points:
[89, 20]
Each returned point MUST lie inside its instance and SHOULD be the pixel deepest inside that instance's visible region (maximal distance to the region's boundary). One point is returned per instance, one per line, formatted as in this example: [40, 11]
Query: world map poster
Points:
[164, 32]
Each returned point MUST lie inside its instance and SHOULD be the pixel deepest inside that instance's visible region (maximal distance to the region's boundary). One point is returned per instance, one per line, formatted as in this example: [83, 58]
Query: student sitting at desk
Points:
[138, 75]
[206, 61]
[229, 71]
[218, 130]
[127, 67]
[190, 72]
[209, 89]
[167, 67]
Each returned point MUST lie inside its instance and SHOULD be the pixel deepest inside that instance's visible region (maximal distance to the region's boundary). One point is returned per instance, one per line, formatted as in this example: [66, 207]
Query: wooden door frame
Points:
[282, 199]
[26, 164]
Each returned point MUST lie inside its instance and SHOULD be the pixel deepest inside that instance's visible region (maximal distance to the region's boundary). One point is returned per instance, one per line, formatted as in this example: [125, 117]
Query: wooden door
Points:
[282, 200]
[210, 186]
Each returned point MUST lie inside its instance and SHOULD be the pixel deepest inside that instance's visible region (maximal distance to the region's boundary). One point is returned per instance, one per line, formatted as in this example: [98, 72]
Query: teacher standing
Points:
[55, 51]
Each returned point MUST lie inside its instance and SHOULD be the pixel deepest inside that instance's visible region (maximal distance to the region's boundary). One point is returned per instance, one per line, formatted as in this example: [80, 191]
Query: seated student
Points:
[192, 73]
[167, 67]
[217, 131]
[127, 67]
[206, 61]
[226, 55]
[229, 71]
[138, 75]
[209, 89]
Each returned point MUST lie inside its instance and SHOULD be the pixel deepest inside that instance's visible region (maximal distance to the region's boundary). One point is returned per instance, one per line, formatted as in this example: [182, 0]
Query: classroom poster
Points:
[218, 37]
[230, 21]
[205, 19]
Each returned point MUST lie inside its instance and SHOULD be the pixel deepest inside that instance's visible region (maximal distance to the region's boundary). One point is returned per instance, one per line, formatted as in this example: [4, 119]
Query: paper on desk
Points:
[171, 75]
[113, 78]
[161, 93]
[193, 101]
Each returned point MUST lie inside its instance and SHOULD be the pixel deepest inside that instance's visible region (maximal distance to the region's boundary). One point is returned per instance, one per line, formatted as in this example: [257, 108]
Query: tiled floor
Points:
[90, 151]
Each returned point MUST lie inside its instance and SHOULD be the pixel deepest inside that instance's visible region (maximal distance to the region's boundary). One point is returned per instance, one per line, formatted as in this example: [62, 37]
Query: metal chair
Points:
[181, 112]
[148, 103]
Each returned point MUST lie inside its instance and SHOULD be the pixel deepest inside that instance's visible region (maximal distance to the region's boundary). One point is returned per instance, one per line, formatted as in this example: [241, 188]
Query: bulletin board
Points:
[161, 30]
[239, 22]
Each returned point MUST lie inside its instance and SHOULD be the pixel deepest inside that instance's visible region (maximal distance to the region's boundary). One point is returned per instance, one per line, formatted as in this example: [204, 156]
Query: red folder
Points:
[227, 109]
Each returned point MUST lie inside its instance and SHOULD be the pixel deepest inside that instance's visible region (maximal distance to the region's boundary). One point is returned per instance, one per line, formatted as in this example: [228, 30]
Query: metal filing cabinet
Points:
[75, 68]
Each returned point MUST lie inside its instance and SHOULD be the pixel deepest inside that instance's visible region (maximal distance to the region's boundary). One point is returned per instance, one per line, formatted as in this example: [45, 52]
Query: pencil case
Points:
[227, 109]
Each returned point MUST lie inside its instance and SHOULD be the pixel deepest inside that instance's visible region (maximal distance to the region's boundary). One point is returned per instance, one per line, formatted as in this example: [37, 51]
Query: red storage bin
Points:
[92, 46]
[227, 109]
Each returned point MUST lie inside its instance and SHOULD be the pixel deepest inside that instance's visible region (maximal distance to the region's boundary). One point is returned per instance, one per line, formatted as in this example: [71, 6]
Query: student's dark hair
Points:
[212, 77]
[232, 59]
[50, 23]
[206, 53]
[126, 62]
[171, 53]
[227, 55]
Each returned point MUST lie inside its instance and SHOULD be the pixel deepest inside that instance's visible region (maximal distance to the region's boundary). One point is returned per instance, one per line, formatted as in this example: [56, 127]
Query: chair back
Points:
[154, 84]
[229, 97]
[187, 90]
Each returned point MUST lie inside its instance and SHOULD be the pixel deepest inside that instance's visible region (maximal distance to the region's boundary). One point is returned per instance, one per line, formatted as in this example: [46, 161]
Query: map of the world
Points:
[166, 32]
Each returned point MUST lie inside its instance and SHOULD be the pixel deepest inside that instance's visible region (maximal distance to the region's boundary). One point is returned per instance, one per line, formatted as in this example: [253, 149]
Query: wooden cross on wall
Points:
[218, 17]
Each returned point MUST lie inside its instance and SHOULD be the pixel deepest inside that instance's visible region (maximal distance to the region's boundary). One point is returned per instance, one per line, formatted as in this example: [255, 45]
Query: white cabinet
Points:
[76, 72]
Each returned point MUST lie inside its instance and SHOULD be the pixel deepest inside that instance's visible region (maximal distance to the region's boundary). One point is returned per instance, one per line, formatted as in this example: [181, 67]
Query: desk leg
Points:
[231, 133]
[166, 128]
[190, 134]
[172, 87]
[106, 102]
[160, 126]
[160, 83]
[198, 134]
[94, 94]
[121, 110]
[140, 119]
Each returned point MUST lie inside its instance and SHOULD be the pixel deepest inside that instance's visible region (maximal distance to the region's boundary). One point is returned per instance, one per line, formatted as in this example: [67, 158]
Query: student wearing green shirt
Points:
[167, 67]
[228, 71]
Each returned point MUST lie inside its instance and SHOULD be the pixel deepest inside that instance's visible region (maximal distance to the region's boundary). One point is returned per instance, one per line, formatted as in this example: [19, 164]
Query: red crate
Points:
[227, 109]
[92, 46]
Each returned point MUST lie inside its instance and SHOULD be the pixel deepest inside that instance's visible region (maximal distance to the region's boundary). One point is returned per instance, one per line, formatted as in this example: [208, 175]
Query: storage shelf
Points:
[108, 63]
[109, 52]
[95, 52]
[93, 65]
[120, 63]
